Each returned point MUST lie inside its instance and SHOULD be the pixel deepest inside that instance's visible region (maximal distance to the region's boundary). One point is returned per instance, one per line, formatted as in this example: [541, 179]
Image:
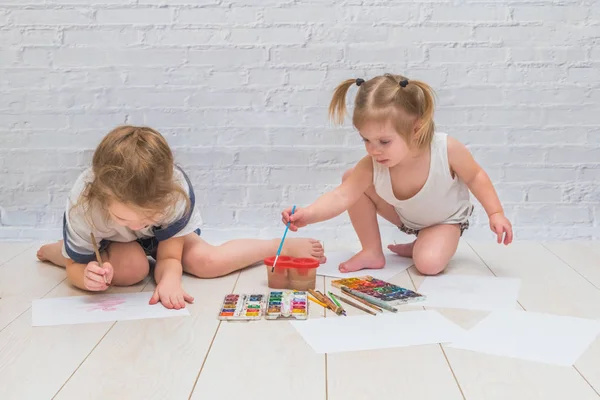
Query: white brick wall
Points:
[240, 88]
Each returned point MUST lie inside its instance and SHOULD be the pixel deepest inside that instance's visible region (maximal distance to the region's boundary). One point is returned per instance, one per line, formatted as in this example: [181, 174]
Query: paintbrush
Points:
[365, 302]
[319, 296]
[379, 303]
[98, 257]
[287, 226]
[330, 304]
[337, 303]
[353, 304]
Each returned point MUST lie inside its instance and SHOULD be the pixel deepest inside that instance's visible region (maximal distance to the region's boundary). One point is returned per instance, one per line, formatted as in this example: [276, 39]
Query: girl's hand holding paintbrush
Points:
[97, 278]
[298, 218]
[97, 275]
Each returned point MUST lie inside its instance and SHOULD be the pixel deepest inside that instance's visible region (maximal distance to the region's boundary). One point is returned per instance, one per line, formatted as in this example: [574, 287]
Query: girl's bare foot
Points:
[402, 249]
[52, 252]
[364, 260]
[303, 248]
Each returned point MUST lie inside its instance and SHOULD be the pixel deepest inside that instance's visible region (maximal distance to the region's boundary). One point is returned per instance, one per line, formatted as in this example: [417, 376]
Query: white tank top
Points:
[442, 200]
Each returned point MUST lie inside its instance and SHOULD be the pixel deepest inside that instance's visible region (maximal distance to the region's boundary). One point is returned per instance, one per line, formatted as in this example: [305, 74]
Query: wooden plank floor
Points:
[198, 357]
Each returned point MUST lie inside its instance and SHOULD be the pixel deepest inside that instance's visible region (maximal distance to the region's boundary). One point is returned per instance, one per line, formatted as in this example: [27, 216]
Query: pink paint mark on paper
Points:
[106, 305]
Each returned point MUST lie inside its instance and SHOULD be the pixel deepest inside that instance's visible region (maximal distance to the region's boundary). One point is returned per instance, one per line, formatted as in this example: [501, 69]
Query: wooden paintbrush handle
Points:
[331, 304]
[365, 302]
[324, 299]
[98, 257]
[353, 304]
[379, 303]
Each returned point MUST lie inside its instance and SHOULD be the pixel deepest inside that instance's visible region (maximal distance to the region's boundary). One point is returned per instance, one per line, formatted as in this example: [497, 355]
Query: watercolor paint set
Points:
[378, 290]
[287, 304]
[278, 304]
[242, 307]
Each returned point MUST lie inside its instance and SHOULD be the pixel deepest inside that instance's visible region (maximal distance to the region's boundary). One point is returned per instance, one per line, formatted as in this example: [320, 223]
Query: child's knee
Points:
[133, 271]
[130, 266]
[429, 263]
[203, 264]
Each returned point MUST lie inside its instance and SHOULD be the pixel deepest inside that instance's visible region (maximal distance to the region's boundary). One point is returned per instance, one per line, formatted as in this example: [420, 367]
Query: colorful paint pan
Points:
[287, 304]
[379, 290]
[242, 307]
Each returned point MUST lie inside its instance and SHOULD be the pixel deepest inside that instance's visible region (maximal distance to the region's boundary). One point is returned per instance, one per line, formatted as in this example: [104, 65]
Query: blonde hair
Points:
[134, 166]
[389, 98]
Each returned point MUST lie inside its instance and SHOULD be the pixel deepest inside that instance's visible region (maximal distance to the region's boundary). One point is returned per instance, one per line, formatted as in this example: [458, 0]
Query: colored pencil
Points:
[353, 304]
[317, 301]
[365, 302]
[377, 302]
[337, 303]
[287, 226]
[332, 296]
[98, 258]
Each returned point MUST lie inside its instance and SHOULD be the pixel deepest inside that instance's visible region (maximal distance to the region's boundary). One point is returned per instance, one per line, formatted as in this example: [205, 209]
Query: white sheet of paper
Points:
[394, 264]
[340, 334]
[98, 308]
[470, 292]
[531, 336]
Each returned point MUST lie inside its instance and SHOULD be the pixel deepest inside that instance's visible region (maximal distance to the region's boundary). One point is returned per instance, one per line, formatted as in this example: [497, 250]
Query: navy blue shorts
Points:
[149, 244]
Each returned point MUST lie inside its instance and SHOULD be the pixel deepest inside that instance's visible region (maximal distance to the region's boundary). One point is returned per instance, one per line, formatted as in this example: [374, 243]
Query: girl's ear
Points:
[417, 126]
[415, 130]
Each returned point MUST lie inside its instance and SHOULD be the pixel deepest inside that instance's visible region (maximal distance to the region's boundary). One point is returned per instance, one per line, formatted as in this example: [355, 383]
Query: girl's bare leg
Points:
[129, 261]
[207, 261]
[363, 215]
[434, 248]
[52, 252]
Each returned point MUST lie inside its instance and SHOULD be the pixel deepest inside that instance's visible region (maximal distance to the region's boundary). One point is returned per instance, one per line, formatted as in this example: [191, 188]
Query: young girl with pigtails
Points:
[413, 176]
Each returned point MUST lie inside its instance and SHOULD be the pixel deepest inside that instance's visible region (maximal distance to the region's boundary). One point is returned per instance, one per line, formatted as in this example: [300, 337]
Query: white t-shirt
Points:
[443, 199]
[77, 243]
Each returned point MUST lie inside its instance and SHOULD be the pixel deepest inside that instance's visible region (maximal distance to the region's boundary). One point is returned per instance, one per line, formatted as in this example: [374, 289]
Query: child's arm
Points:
[333, 203]
[76, 273]
[168, 272]
[83, 270]
[466, 168]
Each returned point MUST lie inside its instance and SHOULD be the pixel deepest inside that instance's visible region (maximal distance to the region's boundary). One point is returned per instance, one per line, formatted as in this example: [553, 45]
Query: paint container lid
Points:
[293, 262]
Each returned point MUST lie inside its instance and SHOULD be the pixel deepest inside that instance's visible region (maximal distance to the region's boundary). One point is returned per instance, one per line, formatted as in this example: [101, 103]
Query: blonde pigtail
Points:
[337, 107]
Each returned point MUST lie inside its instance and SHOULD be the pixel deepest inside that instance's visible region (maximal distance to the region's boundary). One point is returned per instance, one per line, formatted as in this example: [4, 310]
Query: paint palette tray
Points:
[287, 304]
[379, 290]
[242, 307]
